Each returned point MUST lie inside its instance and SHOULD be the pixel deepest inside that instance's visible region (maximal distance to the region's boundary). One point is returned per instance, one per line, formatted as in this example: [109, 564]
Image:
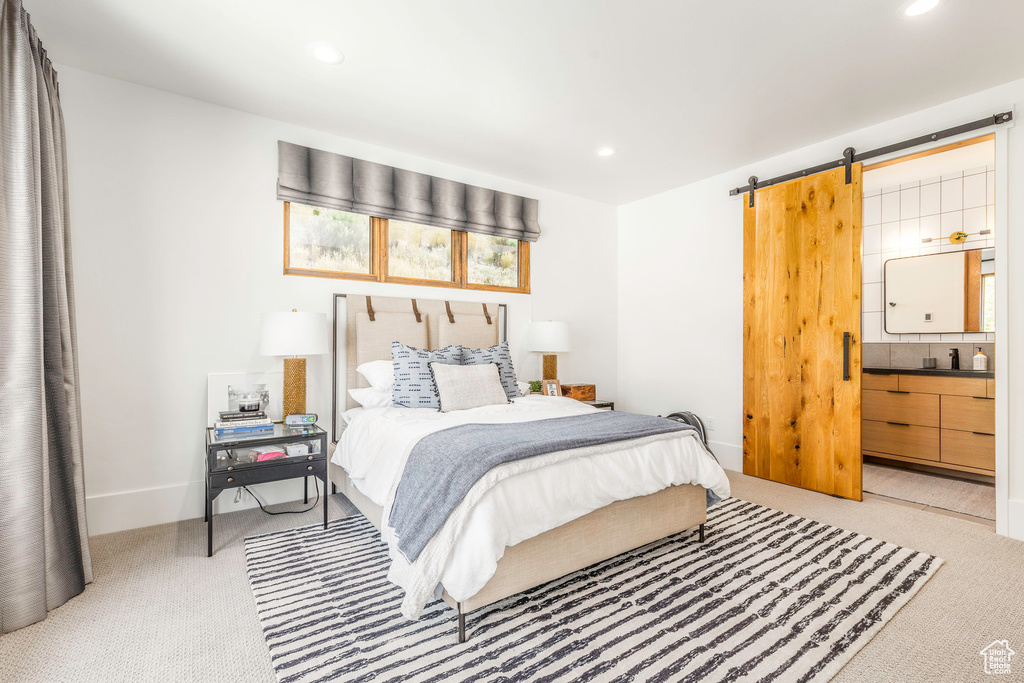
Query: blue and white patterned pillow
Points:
[414, 383]
[500, 356]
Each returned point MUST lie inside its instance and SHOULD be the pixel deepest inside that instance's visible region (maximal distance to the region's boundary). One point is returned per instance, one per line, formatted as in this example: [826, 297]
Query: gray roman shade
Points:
[312, 176]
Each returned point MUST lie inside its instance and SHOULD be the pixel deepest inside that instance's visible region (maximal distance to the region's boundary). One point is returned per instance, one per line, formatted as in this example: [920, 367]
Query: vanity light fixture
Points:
[958, 237]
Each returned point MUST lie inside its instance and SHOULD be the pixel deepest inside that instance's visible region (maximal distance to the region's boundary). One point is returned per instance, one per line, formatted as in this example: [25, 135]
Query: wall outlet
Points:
[711, 424]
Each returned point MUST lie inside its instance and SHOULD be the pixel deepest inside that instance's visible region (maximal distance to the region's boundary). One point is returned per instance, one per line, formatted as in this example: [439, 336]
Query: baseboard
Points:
[1015, 518]
[730, 456]
[110, 512]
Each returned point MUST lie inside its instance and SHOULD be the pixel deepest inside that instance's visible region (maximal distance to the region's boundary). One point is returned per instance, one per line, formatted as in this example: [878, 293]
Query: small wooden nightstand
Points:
[229, 464]
[604, 405]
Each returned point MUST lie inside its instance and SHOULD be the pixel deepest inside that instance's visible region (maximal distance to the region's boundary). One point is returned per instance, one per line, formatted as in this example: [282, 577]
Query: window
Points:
[338, 244]
[327, 240]
[988, 303]
[419, 252]
[492, 260]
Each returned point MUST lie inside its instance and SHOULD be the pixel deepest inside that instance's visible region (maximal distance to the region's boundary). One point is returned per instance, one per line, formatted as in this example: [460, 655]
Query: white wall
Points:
[680, 318]
[178, 249]
[680, 286]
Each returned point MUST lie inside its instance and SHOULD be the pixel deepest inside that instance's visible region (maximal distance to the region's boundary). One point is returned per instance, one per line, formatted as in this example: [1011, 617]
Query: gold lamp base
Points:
[550, 366]
[294, 386]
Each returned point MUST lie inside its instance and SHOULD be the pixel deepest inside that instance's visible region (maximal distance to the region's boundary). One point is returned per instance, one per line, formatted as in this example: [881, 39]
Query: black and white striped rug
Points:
[768, 596]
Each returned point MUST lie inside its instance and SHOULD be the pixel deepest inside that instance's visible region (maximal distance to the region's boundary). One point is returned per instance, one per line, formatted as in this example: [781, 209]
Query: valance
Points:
[312, 176]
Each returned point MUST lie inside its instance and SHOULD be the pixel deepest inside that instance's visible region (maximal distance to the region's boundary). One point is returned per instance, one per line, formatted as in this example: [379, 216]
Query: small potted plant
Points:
[535, 386]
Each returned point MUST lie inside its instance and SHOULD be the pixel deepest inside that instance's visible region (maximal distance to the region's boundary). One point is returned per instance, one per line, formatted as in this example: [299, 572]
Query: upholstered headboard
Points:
[365, 326]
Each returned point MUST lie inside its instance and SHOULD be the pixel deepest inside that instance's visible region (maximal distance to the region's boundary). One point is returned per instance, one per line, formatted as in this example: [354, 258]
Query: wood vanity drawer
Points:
[990, 388]
[969, 414]
[893, 406]
[969, 449]
[957, 386]
[908, 440]
[879, 382]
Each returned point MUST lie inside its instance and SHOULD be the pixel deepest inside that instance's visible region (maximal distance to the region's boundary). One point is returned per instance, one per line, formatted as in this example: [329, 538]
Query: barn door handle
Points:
[846, 356]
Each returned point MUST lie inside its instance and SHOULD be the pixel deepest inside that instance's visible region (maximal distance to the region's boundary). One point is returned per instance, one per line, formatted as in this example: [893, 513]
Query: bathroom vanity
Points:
[937, 418]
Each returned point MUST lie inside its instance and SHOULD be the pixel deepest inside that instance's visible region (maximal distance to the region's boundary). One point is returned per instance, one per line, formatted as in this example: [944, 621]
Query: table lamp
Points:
[549, 338]
[294, 334]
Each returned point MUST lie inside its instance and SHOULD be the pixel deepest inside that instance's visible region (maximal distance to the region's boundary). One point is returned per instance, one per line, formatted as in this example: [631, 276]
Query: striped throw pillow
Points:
[414, 385]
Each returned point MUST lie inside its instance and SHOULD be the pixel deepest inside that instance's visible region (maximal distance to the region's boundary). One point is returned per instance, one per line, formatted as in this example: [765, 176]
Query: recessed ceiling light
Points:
[605, 151]
[326, 53]
[912, 9]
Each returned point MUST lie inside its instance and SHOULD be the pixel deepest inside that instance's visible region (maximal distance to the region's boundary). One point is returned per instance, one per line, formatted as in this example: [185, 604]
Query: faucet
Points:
[954, 354]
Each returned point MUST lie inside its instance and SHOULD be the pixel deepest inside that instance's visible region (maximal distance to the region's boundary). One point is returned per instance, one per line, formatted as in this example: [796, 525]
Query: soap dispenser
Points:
[980, 360]
[954, 355]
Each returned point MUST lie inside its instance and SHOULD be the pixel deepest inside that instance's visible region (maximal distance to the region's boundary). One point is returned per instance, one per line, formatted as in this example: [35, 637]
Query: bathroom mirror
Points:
[941, 293]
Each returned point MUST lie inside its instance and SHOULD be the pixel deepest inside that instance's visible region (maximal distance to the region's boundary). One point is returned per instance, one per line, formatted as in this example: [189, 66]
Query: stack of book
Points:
[238, 423]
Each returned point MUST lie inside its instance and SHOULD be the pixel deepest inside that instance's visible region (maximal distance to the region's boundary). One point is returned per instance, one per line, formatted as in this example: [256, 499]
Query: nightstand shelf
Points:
[609, 405]
[230, 463]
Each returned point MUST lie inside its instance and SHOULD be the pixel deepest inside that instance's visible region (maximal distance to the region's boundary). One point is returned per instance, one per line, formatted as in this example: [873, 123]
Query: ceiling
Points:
[529, 89]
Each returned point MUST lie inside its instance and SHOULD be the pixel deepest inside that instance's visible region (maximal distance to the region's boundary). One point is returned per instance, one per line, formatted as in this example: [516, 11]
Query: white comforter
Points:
[516, 501]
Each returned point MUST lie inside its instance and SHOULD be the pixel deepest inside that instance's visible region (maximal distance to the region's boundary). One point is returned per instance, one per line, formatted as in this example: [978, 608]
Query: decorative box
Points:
[580, 392]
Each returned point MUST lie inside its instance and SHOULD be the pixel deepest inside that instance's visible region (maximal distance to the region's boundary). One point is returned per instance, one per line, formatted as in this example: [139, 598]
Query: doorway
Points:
[929, 330]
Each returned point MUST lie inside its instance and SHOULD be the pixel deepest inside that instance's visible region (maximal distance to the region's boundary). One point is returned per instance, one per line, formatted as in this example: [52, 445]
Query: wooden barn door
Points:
[801, 328]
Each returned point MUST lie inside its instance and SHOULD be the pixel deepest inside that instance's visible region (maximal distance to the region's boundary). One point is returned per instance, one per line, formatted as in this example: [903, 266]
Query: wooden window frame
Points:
[381, 226]
[372, 276]
[379, 262]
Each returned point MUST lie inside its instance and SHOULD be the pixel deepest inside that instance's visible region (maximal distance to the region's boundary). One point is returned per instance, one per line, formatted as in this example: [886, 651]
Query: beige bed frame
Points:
[595, 537]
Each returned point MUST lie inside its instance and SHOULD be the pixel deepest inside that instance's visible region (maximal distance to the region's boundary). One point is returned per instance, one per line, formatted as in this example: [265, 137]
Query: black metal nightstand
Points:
[230, 463]
[610, 405]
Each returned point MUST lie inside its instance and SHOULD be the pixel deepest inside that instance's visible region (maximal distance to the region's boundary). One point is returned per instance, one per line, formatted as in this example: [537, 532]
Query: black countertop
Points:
[938, 372]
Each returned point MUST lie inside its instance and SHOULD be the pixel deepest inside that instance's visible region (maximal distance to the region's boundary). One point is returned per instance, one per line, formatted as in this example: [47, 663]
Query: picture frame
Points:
[218, 384]
[551, 387]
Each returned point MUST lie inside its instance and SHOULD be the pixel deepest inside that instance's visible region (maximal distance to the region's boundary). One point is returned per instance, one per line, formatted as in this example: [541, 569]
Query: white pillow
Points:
[379, 373]
[461, 387]
[368, 397]
[524, 388]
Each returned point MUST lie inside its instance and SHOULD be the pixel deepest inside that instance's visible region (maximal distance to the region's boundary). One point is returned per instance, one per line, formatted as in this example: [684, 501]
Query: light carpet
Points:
[160, 610]
[973, 498]
[768, 596]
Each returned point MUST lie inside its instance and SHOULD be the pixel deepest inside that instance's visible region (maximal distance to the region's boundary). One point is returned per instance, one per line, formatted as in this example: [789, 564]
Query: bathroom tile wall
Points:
[909, 354]
[897, 218]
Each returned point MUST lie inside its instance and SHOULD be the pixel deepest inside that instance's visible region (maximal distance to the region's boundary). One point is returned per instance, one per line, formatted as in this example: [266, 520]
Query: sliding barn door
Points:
[801, 328]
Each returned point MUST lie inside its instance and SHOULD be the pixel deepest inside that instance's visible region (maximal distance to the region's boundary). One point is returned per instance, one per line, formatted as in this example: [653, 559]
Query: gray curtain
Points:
[44, 552]
[313, 176]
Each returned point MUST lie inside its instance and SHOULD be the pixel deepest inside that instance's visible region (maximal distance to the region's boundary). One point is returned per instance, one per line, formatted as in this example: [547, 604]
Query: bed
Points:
[565, 512]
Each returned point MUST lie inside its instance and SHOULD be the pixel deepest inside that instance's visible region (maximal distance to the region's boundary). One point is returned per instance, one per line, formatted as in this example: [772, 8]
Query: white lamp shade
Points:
[548, 337]
[293, 334]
